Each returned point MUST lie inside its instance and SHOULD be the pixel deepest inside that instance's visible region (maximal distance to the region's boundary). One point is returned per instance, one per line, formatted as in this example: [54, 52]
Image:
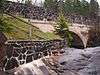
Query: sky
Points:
[39, 1]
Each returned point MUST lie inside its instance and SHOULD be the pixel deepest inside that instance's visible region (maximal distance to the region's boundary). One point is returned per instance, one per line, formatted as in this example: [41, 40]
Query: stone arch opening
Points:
[76, 41]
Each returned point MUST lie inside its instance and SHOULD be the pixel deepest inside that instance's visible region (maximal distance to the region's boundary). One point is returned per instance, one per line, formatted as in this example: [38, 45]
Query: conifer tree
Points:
[93, 8]
[62, 29]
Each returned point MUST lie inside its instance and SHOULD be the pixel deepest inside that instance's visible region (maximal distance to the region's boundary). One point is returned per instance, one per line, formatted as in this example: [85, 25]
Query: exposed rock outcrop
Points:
[71, 62]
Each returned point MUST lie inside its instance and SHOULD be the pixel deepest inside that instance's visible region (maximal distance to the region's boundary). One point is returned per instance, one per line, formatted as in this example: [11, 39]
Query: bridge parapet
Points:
[80, 29]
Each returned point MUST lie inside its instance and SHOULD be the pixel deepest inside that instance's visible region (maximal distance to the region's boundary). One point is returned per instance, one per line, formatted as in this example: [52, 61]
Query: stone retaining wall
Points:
[2, 47]
[22, 52]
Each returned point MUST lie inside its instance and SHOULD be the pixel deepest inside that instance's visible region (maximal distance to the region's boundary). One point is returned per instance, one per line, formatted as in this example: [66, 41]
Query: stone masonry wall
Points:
[21, 52]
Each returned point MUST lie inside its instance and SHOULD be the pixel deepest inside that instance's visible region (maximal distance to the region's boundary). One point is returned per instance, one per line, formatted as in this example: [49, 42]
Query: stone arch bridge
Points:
[79, 30]
[21, 52]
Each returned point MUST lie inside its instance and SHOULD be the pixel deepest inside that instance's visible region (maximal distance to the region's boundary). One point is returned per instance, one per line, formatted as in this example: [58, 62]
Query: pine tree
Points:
[51, 5]
[93, 8]
[76, 6]
[62, 29]
[68, 6]
[29, 2]
[1, 6]
[84, 8]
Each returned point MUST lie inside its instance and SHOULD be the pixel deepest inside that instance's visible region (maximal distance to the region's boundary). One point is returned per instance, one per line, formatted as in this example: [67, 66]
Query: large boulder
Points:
[83, 62]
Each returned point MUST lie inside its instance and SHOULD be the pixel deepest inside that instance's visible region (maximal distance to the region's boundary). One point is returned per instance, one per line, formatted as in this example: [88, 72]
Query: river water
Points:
[72, 62]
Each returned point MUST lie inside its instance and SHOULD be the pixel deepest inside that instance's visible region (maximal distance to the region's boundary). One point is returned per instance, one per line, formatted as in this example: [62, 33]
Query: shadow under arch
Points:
[76, 42]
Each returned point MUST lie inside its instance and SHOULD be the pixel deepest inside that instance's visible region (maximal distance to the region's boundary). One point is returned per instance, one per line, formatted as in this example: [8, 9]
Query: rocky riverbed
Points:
[71, 62]
[83, 62]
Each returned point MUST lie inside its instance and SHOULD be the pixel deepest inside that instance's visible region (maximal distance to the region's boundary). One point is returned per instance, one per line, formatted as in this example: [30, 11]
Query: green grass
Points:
[20, 31]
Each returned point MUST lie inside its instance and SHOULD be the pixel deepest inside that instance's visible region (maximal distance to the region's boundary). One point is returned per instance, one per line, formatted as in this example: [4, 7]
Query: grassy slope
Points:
[21, 31]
